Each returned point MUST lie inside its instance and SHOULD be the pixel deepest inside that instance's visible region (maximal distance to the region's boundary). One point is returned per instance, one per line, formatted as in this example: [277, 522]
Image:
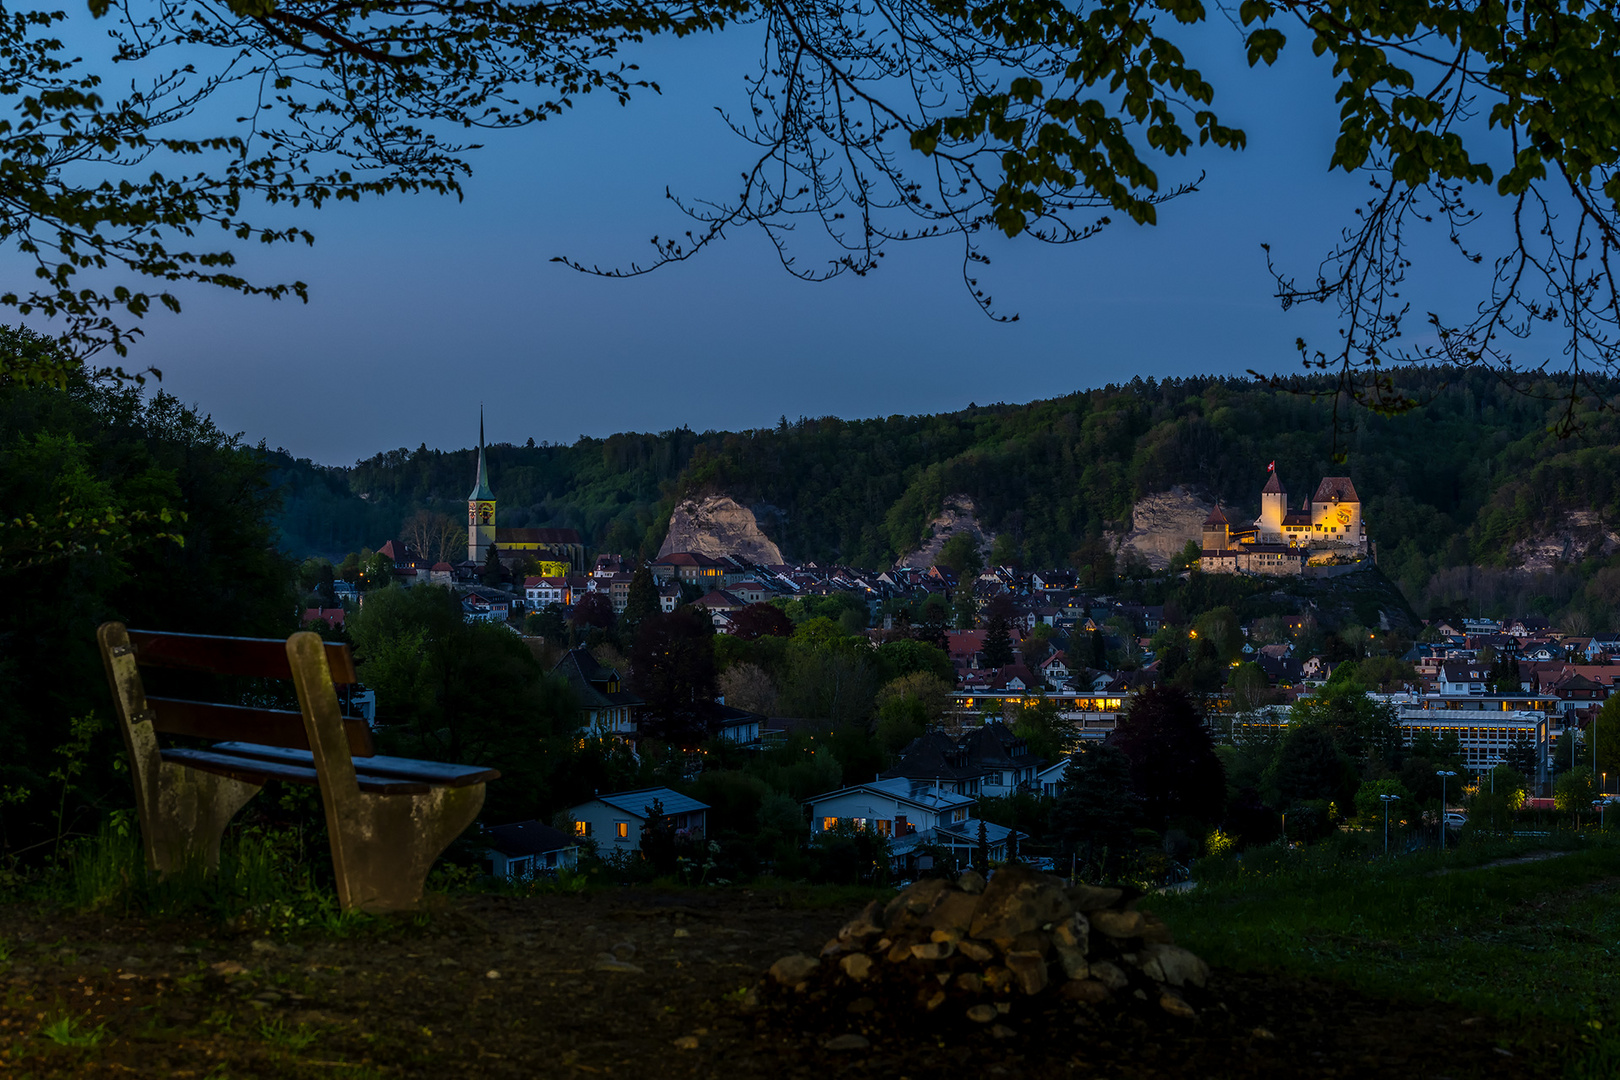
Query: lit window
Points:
[582, 828]
[828, 824]
[621, 829]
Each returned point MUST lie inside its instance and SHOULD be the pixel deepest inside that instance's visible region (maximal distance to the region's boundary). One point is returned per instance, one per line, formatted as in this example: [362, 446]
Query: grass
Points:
[1530, 942]
[283, 1036]
[71, 1031]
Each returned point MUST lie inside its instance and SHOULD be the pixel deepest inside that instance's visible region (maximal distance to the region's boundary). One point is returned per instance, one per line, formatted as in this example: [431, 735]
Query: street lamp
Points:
[1442, 774]
[1387, 800]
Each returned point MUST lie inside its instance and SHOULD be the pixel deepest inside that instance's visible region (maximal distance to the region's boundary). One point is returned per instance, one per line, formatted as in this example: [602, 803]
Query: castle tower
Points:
[480, 507]
[1217, 530]
[1273, 508]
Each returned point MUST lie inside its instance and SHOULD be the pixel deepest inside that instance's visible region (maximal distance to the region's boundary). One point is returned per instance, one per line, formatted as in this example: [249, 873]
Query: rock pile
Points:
[976, 949]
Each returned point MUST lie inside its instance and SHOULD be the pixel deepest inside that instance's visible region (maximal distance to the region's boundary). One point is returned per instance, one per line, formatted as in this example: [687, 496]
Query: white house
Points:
[525, 849]
[1050, 780]
[1463, 678]
[539, 592]
[912, 814]
[895, 807]
[615, 821]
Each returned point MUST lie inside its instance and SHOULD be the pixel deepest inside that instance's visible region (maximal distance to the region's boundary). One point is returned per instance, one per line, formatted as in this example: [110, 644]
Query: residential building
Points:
[526, 849]
[615, 821]
[607, 709]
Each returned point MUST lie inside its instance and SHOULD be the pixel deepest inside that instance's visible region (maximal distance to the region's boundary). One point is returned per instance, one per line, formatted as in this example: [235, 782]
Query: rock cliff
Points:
[1162, 523]
[959, 514]
[1579, 534]
[719, 525]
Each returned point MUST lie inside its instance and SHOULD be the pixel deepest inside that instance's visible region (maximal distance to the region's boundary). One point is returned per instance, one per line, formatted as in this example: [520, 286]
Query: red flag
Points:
[1272, 467]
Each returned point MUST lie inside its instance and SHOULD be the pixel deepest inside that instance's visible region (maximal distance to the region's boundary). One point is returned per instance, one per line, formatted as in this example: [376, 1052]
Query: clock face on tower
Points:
[486, 513]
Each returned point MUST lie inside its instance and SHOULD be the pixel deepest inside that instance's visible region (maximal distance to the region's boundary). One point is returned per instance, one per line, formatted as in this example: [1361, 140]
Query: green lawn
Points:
[1527, 941]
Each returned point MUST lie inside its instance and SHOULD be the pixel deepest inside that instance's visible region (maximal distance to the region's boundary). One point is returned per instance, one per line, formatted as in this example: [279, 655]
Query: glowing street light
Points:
[1442, 774]
[1387, 800]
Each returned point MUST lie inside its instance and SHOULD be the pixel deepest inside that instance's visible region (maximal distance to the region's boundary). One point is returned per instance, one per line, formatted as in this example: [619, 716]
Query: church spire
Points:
[480, 491]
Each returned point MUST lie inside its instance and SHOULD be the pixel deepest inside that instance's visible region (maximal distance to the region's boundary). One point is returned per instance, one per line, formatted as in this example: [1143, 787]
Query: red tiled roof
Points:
[1336, 487]
[1274, 486]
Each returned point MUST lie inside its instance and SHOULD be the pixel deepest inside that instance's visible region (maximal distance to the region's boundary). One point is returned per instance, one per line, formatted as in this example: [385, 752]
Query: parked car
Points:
[1456, 819]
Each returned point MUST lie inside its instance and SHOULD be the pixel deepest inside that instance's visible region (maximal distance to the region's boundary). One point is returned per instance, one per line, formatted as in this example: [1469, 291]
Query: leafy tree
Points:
[1575, 790]
[434, 537]
[1095, 817]
[593, 610]
[1603, 732]
[549, 623]
[1309, 767]
[964, 608]
[1095, 561]
[1050, 734]
[450, 690]
[1369, 804]
[960, 555]
[1173, 763]
[673, 661]
[761, 620]
[1366, 732]
[906, 656]
[640, 604]
[748, 686]
[909, 706]
[997, 649]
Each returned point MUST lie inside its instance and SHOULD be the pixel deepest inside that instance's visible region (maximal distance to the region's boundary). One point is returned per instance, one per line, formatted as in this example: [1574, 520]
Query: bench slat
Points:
[256, 770]
[254, 657]
[272, 727]
[437, 773]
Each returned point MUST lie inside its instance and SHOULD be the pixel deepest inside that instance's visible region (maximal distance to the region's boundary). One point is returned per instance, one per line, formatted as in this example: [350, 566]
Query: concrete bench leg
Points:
[382, 845]
[183, 812]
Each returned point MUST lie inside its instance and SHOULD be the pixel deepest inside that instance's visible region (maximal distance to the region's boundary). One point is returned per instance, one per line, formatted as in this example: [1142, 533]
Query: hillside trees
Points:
[201, 559]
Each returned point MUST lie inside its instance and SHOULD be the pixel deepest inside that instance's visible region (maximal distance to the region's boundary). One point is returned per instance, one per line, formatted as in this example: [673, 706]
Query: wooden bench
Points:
[389, 818]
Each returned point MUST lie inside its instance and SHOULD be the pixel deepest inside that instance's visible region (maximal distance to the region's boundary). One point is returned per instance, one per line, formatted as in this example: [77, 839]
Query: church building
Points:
[1282, 541]
[562, 545]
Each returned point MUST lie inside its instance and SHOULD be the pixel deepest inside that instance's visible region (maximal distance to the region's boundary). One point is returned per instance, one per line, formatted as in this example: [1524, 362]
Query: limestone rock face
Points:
[1162, 523]
[719, 525]
[1577, 535]
[960, 514]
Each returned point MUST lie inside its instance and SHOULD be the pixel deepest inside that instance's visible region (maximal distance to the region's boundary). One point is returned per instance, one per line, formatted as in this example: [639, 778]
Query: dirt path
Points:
[630, 984]
[1532, 857]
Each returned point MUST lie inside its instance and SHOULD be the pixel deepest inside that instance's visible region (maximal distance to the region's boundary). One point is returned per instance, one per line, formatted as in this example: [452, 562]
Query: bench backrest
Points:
[245, 657]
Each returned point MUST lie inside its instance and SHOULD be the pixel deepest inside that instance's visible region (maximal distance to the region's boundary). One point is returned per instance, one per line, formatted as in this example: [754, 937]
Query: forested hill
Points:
[1454, 483]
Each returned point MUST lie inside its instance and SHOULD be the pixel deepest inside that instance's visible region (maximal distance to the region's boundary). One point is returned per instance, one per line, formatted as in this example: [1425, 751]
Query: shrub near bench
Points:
[388, 818]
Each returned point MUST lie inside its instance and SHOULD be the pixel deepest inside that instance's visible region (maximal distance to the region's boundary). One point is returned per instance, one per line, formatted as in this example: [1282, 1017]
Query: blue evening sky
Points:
[424, 307]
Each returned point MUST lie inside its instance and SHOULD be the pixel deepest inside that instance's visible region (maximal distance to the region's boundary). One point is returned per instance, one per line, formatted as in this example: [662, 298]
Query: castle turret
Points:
[480, 507]
[1273, 508]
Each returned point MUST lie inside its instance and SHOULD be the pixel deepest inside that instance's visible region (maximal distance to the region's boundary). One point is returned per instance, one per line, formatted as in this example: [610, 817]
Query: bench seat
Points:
[434, 773]
[256, 770]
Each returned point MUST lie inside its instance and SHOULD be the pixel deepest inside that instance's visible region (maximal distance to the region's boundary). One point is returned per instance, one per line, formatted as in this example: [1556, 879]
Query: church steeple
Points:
[481, 490]
[480, 506]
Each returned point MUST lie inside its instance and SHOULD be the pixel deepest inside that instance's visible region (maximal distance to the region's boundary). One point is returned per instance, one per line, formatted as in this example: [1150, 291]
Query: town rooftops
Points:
[526, 838]
[638, 803]
[537, 536]
[905, 790]
[596, 686]
[1336, 489]
[685, 558]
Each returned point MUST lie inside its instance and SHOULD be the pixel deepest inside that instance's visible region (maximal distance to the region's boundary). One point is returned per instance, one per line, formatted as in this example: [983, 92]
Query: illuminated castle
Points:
[1282, 541]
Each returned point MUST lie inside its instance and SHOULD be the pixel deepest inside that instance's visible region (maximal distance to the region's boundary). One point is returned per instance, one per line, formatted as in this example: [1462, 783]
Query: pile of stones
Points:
[967, 948]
